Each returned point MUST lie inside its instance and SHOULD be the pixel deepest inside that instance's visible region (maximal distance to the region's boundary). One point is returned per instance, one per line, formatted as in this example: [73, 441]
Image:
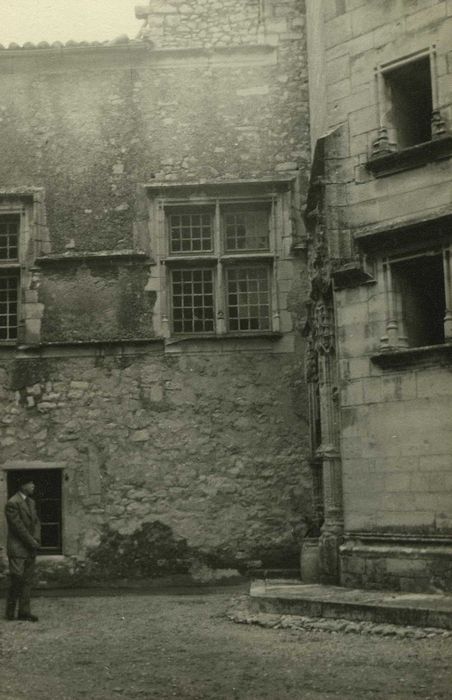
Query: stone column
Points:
[333, 525]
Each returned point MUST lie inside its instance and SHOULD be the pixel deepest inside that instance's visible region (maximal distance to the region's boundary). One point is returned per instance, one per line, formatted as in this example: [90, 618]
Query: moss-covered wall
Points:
[104, 302]
[89, 124]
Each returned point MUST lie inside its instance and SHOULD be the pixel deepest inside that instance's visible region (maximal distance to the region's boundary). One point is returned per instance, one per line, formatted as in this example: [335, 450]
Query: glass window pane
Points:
[248, 298]
[195, 303]
[247, 229]
[190, 232]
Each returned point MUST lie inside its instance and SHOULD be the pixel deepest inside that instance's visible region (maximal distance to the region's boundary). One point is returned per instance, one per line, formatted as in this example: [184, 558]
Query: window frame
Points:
[395, 337]
[384, 105]
[12, 267]
[28, 204]
[69, 531]
[386, 157]
[397, 134]
[220, 258]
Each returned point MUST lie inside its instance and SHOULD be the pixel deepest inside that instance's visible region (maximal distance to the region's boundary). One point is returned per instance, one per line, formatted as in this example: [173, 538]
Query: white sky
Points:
[61, 20]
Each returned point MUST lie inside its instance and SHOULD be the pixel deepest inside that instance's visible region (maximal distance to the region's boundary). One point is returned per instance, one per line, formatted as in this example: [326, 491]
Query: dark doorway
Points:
[47, 497]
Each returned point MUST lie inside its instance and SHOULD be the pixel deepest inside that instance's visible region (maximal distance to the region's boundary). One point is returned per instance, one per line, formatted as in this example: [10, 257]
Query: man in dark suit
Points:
[24, 535]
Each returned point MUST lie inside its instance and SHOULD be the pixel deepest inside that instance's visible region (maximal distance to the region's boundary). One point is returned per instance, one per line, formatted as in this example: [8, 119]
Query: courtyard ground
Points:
[183, 646]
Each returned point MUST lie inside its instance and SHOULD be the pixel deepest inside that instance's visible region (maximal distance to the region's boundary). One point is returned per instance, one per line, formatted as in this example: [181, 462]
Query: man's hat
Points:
[25, 479]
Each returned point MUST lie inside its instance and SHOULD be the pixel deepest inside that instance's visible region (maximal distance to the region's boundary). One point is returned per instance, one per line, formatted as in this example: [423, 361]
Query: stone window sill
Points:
[430, 355]
[100, 256]
[175, 339]
[412, 157]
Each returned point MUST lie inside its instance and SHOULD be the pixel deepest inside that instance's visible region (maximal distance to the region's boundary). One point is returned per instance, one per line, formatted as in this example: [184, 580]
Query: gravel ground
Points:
[160, 646]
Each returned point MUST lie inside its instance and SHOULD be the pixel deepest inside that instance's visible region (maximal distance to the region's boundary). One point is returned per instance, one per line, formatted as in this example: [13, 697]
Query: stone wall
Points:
[176, 23]
[176, 456]
[215, 23]
[89, 124]
[200, 455]
[95, 299]
[395, 443]
[395, 439]
[359, 37]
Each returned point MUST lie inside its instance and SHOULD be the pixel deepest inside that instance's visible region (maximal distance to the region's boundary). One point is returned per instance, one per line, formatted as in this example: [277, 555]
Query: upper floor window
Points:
[413, 128]
[223, 258]
[419, 298]
[220, 267]
[23, 238]
[9, 276]
[409, 102]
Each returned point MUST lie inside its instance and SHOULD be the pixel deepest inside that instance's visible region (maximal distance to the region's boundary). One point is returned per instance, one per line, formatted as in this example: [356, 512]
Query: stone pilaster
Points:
[333, 525]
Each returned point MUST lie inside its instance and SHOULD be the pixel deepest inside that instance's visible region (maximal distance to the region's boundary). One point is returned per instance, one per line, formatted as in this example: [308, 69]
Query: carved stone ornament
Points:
[323, 327]
[311, 363]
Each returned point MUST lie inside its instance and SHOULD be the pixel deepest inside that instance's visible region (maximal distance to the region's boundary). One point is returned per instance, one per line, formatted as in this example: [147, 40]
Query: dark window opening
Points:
[47, 497]
[420, 284]
[410, 93]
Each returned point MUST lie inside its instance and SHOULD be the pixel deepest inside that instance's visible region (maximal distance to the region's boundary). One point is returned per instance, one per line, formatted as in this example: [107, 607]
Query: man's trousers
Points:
[21, 571]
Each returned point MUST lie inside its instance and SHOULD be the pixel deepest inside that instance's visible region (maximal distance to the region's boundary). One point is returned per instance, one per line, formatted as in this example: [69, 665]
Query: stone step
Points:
[335, 602]
[283, 574]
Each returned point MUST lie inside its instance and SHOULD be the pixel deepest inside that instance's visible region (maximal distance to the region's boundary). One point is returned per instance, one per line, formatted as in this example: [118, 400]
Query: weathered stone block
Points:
[352, 393]
[338, 30]
[397, 482]
[338, 70]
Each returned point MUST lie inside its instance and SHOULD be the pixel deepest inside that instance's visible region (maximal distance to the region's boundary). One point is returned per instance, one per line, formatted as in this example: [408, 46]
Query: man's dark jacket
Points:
[24, 528]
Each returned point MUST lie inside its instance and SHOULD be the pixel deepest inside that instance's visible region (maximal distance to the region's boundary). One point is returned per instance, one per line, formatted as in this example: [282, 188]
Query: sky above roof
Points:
[62, 20]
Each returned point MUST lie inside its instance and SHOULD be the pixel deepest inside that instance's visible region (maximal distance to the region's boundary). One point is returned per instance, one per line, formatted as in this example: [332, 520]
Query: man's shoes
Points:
[10, 612]
[28, 618]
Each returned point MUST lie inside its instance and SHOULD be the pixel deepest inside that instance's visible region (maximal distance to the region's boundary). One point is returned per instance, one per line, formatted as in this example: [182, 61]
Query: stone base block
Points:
[407, 564]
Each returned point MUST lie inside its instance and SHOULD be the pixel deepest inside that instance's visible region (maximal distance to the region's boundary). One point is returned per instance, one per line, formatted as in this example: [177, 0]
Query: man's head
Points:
[26, 485]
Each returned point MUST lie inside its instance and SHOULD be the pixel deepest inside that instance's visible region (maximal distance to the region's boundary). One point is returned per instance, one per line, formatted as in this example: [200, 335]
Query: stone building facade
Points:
[152, 277]
[225, 291]
[379, 219]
